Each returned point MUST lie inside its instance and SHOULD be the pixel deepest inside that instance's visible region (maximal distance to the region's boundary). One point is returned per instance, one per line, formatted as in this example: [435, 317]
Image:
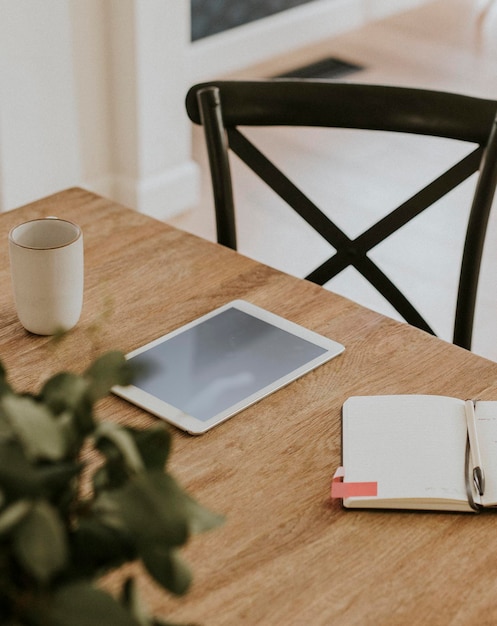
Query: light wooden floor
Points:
[437, 46]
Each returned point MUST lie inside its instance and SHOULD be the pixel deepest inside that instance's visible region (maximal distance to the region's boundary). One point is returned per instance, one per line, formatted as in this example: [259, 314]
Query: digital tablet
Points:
[206, 371]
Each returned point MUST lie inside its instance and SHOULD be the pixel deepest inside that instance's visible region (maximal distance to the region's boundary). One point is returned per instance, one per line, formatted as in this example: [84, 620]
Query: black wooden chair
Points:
[224, 106]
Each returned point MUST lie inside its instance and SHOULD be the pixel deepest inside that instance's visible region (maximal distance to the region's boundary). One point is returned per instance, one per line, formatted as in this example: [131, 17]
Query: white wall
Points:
[39, 140]
[150, 134]
[92, 94]
[92, 91]
[91, 54]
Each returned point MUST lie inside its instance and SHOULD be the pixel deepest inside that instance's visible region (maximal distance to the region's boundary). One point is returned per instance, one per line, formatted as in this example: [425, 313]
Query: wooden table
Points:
[286, 554]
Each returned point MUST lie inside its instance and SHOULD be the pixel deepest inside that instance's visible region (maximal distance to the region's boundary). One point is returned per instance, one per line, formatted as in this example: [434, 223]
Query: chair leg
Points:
[217, 150]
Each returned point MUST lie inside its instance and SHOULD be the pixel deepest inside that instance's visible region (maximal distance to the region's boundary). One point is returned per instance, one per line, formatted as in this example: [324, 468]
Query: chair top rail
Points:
[273, 102]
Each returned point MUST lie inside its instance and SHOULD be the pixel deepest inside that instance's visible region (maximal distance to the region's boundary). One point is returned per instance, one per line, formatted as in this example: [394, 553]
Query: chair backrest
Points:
[222, 107]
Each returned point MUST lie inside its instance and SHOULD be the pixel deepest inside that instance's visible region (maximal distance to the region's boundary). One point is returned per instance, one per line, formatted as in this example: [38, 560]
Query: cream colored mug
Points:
[47, 269]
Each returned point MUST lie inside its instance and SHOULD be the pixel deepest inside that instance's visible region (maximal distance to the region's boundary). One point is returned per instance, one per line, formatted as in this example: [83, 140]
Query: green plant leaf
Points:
[13, 515]
[134, 603]
[108, 370]
[200, 518]
[40, 542]
[153, 507]
[6, 430]
[21, 479]
[96, 547]
[53, 478]
[113, 473]
[148, 507]
[154, 445]
[80, 604]
[4, 385]
[35, 426]
[123, 441]
[67, 395]
[167, 568]
[18, 478]
[64, 390]
[56, 533]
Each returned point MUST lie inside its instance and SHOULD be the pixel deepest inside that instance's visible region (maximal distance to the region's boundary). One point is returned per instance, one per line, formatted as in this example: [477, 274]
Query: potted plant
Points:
[64, 522]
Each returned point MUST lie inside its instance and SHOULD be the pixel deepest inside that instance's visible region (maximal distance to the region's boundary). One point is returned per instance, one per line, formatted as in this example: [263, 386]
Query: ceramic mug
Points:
[46, 258]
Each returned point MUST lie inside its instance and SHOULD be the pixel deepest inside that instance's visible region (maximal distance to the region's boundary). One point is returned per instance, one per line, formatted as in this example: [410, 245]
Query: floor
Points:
[443, 45]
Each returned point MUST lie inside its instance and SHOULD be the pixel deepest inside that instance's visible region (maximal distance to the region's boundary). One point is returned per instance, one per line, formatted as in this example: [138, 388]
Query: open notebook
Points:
[413, 452]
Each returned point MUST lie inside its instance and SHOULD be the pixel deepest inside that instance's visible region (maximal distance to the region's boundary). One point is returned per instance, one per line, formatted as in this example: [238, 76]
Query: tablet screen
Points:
[213, 367]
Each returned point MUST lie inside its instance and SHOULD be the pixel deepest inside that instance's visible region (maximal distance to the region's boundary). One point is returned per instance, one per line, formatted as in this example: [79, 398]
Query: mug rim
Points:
[77, 236]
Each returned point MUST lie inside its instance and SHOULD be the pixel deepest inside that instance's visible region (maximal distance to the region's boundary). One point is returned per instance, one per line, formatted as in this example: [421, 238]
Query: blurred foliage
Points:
[62, 525]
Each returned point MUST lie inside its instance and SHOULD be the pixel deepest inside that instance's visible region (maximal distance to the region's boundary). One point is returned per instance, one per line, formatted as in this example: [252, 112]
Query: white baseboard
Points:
[162, 196]
[257, 41]
[284, 32]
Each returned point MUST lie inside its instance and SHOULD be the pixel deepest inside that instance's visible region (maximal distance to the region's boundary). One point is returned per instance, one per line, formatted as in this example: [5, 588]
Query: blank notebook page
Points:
[413, 449]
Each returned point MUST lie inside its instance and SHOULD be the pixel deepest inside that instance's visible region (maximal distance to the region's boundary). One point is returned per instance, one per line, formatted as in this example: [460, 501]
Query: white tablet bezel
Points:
[195, 426]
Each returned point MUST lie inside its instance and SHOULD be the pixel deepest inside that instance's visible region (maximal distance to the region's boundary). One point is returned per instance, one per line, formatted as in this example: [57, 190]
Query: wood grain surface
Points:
[286, 553]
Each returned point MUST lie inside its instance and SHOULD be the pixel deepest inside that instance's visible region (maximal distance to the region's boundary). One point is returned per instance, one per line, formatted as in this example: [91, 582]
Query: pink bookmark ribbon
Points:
[341, 489]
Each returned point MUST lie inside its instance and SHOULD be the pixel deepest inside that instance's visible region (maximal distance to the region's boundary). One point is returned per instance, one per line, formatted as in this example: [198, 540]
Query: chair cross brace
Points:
[353, 252]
